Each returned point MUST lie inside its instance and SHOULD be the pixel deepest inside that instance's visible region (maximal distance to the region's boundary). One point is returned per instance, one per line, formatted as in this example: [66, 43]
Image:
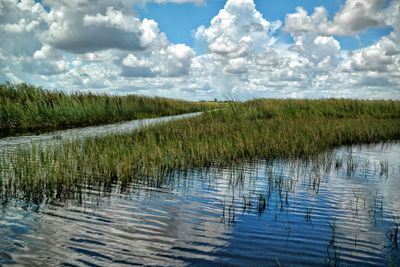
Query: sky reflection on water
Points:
[340, 208]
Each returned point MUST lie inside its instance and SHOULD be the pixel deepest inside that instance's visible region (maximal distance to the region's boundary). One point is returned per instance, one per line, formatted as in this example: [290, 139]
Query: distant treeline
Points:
[28, 108]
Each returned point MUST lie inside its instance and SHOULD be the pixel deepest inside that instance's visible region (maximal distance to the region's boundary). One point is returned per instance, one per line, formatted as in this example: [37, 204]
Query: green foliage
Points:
[27, 108]
[251, 130]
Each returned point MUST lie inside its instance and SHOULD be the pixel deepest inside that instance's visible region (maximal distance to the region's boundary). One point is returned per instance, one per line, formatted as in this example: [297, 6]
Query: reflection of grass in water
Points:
[277, 189]
[333, 250]
[384, 169]
[351, 165]
[262, 204]
[246, 203]
[338, 163]
[392, 236]
[256, 129]
[308, 213]
[282, 181]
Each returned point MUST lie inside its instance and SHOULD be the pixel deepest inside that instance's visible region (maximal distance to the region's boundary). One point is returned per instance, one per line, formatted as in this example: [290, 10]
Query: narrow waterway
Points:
[62, 135]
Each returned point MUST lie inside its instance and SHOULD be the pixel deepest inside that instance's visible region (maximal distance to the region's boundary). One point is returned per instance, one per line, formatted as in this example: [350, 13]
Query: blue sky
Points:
[179, 20]
[205, 49]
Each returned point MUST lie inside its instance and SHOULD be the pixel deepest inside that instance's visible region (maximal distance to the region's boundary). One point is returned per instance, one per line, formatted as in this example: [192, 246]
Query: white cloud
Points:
[47, 52]
[113, 19]
[377, 66]
[300, 22]
[21, 25]
[317, 49]
[175, 60]
[102, 26]
[237, 30]
[116, 51]
[361, 71]
[354, 17]
[357, 15]
[393, 19]
[248, 59]
[39, 43]
[132, 61]
[170, 61]
[236, 65]
[268, 58]
[237, 39]
[378, 57]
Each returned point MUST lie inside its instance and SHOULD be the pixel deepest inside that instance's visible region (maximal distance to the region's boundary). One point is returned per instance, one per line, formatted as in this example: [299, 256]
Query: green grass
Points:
[260, 129]
[25, 108]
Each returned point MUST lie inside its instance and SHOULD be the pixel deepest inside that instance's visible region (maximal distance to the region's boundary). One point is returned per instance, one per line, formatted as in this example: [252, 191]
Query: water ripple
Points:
[300, 215]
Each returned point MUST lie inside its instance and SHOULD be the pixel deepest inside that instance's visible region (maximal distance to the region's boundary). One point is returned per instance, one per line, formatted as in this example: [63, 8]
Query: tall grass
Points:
[27, 108]
[257, 129]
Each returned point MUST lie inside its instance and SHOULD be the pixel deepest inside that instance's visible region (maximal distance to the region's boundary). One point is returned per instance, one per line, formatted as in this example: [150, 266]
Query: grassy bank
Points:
[256, 129]
[25, 108]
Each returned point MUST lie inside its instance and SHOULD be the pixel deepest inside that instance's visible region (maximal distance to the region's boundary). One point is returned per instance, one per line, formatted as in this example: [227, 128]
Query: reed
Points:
[25, 108]
[260, 129]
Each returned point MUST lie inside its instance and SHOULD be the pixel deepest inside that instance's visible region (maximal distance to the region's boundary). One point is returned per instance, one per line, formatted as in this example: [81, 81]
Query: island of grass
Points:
[258, 129]
[26, 108]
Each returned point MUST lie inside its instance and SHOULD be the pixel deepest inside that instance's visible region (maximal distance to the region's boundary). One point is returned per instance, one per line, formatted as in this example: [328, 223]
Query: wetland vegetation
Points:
[254, 182]
[26, 108]
[258, 129]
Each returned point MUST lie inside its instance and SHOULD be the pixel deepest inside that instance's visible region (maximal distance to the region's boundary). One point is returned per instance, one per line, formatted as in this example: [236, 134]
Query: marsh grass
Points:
[260, 129]
[26, 108]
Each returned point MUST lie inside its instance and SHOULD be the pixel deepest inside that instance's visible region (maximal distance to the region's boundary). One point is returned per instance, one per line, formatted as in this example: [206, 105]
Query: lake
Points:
[340, 208]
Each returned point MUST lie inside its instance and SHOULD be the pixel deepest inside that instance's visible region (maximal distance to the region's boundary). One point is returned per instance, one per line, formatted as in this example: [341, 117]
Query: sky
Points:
[205, 49]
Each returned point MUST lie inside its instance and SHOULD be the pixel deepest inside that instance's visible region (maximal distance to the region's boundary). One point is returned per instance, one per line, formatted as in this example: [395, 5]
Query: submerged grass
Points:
[257, 129]
[26, 108]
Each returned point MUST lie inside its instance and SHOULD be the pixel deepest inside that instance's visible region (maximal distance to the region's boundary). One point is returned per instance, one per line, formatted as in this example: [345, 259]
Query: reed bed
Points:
[25, 108]
[260, 129]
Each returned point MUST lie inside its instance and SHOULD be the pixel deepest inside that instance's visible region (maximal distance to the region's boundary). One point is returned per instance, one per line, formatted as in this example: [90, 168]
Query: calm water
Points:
[63, 135]
[342, 208]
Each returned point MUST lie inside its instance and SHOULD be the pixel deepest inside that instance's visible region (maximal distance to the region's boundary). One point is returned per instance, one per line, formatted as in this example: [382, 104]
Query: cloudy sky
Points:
[205, 49]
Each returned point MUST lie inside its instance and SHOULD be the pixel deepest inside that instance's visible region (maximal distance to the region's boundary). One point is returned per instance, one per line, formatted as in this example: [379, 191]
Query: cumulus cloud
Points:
[237, 29]
[237, 40]
[103, 45]
[301, 22]
[170, 61]
[84, 27]
[357, 15]
[378, 57]
[84, 35]
[241, 58]
[137, 67]
[354, 17]
[321, 51]
[20, 24]
[241, 43]
[370, 67]
[377, 66]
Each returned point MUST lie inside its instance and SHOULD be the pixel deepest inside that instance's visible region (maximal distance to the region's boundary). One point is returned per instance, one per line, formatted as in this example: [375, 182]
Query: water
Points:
[339, 209]
[75, 133]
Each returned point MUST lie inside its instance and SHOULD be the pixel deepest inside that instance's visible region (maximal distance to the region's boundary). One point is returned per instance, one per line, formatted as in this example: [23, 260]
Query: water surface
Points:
[341, 208]
[81, 133]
